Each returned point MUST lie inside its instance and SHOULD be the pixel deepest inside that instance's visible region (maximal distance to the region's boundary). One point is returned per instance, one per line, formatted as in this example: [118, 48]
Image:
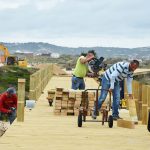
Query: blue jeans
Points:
[116, 96]
[11, 117]
[78, 83]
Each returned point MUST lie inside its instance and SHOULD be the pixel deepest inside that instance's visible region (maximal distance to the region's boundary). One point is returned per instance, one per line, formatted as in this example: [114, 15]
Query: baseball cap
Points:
[11, 91]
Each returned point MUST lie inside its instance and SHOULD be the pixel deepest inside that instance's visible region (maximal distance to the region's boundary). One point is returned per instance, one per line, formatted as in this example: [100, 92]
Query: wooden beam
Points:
[144, 94]
[148, 96]
[125, 124]
[21, 100]
[132, 110]
[144, 114]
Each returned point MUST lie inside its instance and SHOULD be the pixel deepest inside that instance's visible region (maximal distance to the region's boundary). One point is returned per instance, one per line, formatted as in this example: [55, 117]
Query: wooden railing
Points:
[141, 94]
[39, 80]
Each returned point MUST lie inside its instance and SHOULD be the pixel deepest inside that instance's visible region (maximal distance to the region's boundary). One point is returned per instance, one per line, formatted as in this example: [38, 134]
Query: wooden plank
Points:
[64, 104]
[78, 94]
[78, 99]
[59, 90]
[132, 110]
[144, 114]
[144, 94]
[140, 110]
[148, 97]
[137, 108]
[51, 92]
[125, 124]
[59, 98]
[65, 98]
[72, 94]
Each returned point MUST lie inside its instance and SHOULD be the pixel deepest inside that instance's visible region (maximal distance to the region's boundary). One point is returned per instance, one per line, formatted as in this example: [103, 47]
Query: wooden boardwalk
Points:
[44, 131]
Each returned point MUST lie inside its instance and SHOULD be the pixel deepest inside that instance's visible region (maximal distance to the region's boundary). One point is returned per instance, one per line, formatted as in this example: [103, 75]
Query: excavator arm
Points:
[5, 50]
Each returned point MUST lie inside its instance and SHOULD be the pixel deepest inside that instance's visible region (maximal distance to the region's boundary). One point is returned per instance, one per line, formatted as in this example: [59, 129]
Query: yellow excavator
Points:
[10, 59]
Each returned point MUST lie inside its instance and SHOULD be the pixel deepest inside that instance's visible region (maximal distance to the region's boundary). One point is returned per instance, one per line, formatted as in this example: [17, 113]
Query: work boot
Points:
[93, 115]
[116, 117]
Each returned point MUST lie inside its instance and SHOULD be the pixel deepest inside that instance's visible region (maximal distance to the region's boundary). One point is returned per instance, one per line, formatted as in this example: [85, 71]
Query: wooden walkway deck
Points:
[44, 131]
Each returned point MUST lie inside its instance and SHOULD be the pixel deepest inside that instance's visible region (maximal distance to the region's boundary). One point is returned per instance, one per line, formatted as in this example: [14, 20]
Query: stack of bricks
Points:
[64, 103]
[58, 101]
[68, 102]
[77, 102]
[71, 102]
[91, 102]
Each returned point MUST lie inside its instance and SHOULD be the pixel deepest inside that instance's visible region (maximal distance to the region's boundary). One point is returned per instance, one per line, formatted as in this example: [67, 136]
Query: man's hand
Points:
[111, 90]
[9, 112]
[90, 58]
[92, 75]
[13, 108]
[130, 96]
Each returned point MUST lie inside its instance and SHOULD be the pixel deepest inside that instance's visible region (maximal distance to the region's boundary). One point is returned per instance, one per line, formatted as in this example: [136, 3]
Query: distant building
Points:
[55, 55]
[26, 53]
[46, 54]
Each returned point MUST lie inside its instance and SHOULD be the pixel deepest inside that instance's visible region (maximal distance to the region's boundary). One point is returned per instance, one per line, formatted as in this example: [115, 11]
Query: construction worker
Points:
[81, 70]
[110, 82]
[8, 104]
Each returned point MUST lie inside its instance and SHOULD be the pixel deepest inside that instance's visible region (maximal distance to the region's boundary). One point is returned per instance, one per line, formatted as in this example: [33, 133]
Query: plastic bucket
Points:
[30, 104]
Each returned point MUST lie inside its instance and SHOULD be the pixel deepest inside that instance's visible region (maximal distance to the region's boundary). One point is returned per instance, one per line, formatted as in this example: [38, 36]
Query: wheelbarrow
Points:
[84, 108]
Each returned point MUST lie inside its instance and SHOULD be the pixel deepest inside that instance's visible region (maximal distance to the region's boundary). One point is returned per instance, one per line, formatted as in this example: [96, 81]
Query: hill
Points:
[41, 47]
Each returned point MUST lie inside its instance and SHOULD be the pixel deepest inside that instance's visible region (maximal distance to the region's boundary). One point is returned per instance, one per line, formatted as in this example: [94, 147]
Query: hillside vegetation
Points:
[9, 76]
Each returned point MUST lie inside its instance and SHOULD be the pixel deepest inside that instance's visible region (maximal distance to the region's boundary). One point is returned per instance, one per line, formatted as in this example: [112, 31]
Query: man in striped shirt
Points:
[110, 82]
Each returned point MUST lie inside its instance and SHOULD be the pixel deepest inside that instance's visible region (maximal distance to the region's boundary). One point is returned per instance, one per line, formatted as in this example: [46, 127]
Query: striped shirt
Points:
[118, 72]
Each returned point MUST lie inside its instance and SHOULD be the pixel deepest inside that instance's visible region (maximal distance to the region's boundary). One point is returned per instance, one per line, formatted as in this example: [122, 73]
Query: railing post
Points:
[32, 94]
[21, 100]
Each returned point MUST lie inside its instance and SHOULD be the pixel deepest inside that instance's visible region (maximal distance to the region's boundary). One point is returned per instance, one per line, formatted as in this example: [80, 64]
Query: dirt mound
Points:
[58, 71]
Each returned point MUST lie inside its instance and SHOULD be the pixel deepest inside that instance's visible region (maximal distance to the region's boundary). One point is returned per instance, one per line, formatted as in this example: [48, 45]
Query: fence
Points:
[141, 95]
[39, 80]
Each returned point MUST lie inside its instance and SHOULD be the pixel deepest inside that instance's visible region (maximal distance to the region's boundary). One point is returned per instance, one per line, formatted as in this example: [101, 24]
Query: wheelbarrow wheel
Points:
[148, 125]
[50, 103]
[80, 120]
[110, 121]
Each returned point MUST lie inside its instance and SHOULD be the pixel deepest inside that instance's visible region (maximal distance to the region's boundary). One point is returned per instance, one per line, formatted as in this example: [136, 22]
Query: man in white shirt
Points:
[110, 82]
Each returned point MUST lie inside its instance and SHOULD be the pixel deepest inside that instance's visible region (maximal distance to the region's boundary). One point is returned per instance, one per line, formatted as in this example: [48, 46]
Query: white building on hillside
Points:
[55, 55]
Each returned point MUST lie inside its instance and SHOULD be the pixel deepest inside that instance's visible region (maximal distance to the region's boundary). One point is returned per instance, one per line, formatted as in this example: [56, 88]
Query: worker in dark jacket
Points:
[8, 104]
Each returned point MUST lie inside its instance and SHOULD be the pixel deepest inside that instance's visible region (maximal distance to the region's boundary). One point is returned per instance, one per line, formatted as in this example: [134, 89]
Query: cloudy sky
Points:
[74, 23]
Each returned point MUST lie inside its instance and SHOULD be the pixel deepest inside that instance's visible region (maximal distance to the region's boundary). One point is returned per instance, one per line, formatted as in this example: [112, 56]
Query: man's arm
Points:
[15, 101]
[83, 59]
[2, 109]
[129, 86]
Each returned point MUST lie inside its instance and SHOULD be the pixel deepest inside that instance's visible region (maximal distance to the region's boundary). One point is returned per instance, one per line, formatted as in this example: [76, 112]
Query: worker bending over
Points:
[110, 82]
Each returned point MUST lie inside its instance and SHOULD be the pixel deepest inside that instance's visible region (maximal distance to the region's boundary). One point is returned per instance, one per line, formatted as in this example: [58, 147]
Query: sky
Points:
[76, 23]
